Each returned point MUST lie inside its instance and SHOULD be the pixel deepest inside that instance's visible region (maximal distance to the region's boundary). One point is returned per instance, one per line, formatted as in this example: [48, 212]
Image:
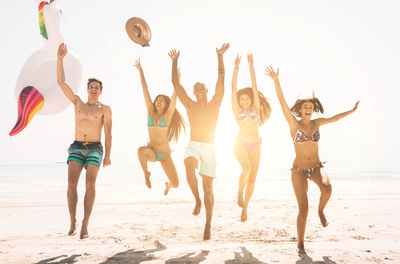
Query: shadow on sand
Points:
[188, 259]
[305, 259]
[135, 257]
[246, 258]
[68, 260]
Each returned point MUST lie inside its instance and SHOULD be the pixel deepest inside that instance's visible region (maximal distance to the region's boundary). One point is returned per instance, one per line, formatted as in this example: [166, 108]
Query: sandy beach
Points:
[132, 224]
[340, 52]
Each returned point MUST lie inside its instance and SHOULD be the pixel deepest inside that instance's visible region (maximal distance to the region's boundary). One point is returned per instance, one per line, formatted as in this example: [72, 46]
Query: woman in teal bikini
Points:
[164, 124]
[307, 165]
[251, 110]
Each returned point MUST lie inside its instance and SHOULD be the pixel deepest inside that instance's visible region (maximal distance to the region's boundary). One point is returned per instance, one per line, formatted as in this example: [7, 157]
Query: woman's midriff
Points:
[248, 131]
[306, 155]
[159, 139]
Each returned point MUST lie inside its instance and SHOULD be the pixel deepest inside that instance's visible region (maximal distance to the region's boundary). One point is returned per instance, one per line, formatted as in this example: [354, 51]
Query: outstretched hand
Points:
[356, 106]
[62, 50]
[224, 48]
[174, 55]
[106, 162]
[269, 71]
[237, 61]
[250, 58]
[137, 64]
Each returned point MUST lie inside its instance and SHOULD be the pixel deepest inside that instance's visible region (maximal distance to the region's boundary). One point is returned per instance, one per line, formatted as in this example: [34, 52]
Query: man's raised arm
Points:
[220, 88]
[180, 91]
[62, 51]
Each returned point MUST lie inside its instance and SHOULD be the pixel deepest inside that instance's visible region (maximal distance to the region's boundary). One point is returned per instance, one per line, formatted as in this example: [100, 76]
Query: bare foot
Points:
[322, 217]
[84, 232]
[72, 229]
[207, 232]
[167, 187]
[196, 210]
[243, 218]
[147, 177]
[300, 248]
[240, 199]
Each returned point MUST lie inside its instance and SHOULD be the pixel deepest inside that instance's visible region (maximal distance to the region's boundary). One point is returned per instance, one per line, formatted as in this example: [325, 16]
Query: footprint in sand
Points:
[360, 238]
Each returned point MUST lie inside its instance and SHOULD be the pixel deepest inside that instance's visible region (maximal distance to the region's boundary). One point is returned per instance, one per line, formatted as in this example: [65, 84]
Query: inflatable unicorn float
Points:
[37, 90]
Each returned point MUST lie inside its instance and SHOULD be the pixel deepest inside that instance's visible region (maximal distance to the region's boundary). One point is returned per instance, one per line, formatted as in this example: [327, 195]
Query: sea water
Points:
[38, 185]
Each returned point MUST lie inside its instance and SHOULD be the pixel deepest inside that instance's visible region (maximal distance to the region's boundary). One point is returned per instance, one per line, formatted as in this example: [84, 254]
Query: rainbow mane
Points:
[42, 26]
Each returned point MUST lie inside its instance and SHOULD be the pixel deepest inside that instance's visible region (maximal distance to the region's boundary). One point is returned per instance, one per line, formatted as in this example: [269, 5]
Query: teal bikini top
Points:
[162, 122]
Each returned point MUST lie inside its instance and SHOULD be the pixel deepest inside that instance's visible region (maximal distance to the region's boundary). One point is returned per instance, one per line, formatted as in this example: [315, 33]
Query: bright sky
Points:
[343, 50]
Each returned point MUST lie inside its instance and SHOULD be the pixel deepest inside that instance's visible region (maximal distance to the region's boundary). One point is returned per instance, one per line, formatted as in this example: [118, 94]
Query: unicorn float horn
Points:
[30, 101]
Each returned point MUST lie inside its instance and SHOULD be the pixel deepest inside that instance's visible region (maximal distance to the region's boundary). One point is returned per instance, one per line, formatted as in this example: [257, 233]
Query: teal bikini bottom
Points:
[160, 155]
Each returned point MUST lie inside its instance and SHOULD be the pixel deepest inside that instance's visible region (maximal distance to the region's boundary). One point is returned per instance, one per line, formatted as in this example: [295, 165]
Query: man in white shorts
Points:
[203, 116]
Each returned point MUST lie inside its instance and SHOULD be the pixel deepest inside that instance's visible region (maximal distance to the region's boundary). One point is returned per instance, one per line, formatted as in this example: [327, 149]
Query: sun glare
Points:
[225, 138]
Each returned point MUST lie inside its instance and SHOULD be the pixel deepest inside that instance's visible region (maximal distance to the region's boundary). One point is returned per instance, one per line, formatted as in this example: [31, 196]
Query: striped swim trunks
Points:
[86, 153]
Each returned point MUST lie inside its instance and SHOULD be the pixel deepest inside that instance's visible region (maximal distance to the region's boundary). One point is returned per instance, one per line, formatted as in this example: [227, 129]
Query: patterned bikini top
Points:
[248, 114]
[302, 137]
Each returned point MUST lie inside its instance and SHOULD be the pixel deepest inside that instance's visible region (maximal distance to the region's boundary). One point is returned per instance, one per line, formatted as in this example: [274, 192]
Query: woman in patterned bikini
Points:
[164, 124]
[251, 109]
[307, 165]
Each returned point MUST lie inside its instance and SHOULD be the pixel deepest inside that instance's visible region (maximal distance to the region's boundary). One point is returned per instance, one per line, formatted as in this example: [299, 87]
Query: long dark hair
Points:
[265, 108]
[177, 123]
[299, 102]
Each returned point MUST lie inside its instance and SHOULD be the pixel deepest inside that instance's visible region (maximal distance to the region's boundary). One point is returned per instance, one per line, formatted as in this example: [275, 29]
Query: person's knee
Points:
[208, 191]
[190, 162]
[303, 209]
[250, 187]
[72, 186]
[246, 171]
[207, 185]
[190, 165]
[90, 185]
[252, 181]
[303, 213]
[141, 151]
[208, 196]
[327, 189]
[72, 183]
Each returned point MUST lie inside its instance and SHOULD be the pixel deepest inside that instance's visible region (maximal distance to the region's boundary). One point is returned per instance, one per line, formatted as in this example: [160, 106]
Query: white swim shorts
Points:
[204, 153]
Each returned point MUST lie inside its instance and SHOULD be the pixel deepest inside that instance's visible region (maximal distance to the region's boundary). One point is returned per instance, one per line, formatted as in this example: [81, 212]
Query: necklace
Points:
[97, 105]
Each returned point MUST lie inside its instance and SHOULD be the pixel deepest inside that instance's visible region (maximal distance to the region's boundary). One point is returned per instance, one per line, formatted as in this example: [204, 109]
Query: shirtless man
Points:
[203, 116]
[86, 151]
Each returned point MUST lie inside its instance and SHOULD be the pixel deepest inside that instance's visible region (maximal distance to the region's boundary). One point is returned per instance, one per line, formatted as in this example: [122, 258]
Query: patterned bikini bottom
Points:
[309, 172]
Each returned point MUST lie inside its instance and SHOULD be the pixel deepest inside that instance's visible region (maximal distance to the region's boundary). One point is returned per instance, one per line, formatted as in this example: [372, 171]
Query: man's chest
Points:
[206, 113]
[89, 112]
